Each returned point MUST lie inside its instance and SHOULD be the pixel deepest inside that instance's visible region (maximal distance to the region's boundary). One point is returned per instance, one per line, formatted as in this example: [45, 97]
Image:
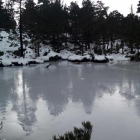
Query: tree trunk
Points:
[88, 46]
[137, 46]
[111, 46]
[122, 45]
[107, 44]
[104, 45]
[131, 46]
[58, 44]
[82, 49]
[122, 48]
[38, 54]
[20, 29]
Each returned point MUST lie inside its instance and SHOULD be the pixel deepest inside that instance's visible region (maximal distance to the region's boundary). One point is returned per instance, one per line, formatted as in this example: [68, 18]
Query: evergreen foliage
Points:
[138, 10]
[53, 23]
[19, 11]
[83, 133]
[6, 17]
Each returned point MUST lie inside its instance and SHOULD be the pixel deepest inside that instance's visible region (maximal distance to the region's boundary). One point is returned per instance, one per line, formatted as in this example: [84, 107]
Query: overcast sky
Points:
[123, 6]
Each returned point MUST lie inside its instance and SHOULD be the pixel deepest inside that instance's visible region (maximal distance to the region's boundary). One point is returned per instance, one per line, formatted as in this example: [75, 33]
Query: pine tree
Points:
[31, 25]
[114, 22]
[58, 23]
[138, 9]
[83, 133]
[130, 23]
[101, 28]
[74, 21]
[20, 26]
[87, 17]
[6, 18]
[138, 30]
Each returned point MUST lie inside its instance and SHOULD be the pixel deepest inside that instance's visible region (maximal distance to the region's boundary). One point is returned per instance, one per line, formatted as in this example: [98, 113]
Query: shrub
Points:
[83, 133]
[16, 53]
[98, 50]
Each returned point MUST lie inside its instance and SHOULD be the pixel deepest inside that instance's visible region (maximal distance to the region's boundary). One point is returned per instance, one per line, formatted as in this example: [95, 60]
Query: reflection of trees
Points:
[81, 83]
[57, 105]
[24, 106]
[5, 87]
[137, 104]
[57, 84]
[51, 85]
[87, 84]
[93, 82]
[130, 83]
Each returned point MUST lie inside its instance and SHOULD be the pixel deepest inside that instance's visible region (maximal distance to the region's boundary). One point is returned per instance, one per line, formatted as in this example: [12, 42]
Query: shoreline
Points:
[36, 62]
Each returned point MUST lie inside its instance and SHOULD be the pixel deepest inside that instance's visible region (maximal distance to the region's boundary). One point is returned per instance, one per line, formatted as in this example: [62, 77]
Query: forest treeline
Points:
[51, 22]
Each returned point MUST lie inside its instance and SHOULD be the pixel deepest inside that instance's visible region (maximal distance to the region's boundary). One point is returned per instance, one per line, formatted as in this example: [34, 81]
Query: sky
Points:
[123, 6]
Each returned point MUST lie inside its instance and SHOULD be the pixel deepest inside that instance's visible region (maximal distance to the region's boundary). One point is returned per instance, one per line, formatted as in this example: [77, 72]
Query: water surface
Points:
[36, 102]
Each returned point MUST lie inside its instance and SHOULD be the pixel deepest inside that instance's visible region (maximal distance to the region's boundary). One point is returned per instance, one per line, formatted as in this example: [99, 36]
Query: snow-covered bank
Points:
[9, 53]
[19, 62]
[52, 56]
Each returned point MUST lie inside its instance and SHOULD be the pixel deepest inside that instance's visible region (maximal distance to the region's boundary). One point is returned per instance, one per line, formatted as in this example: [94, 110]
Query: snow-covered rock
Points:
[100, 59]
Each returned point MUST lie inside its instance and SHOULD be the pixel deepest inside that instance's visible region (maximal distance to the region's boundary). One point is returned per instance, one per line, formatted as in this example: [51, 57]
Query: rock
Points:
[17, 64]
[32, 62]
[46, 53]
[82, 60]
[132, 58]
[135, 57]
[1, 65]
[106, 60]
[85, 60]
[128, 56]
[75, 61]
[54, 58]
[111, 59]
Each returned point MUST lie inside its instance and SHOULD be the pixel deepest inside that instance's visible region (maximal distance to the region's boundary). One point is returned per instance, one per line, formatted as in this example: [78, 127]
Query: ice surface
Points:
[37, 102]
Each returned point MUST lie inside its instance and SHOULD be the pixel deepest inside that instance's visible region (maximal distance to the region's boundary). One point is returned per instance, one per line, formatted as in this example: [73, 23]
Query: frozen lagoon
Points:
[36, 102]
